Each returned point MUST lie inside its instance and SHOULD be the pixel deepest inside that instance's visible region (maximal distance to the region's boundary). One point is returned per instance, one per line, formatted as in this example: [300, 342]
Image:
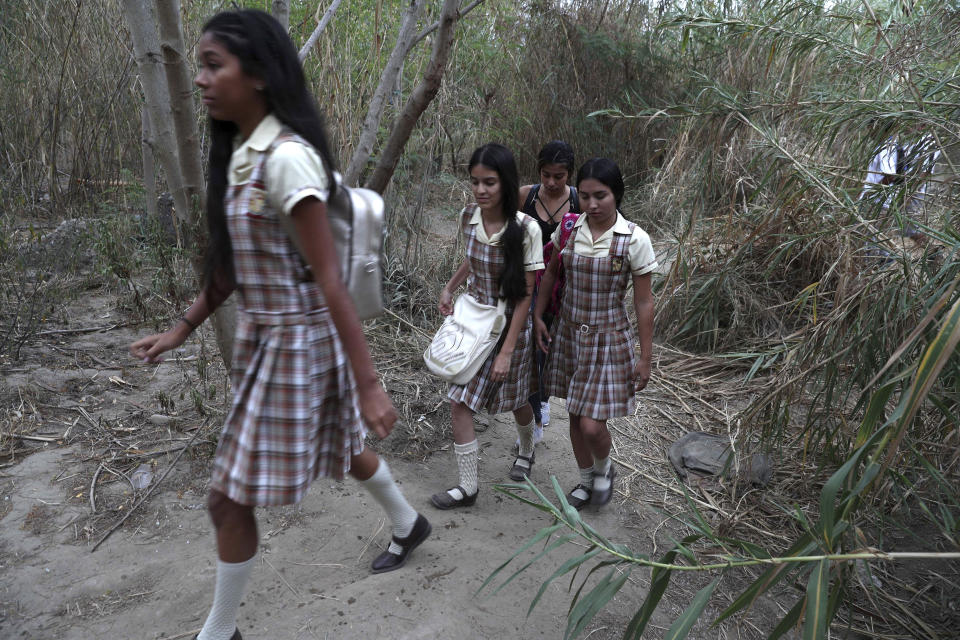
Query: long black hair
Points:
[496, 157]
[604, 171]
[266, 52]
[556, 152]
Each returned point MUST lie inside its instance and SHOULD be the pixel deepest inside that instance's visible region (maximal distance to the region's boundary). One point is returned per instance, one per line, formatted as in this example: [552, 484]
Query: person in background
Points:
[547, 202]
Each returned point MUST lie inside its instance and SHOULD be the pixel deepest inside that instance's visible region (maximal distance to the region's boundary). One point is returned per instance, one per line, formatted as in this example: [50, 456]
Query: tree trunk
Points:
[180, 86]
[419, 100]
[312, 40]
[146, 49]
[281, 11]
[371, 124]
[149, 166]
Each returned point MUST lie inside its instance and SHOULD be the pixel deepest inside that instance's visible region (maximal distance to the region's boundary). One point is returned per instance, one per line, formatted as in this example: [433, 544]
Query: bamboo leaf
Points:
[682, 625]
[594, 601]
[788, 621]
[566, 567]
[659, 579]
[803, 546]
[818, 589]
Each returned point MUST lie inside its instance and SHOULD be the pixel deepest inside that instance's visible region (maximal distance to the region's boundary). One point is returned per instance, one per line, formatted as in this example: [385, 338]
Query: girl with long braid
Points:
[504, 252]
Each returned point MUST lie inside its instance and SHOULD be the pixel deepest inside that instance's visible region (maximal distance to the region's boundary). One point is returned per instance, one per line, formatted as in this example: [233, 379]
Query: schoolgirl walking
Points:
[302, 376]
[592, 361]
[547, 202]
[503, 254]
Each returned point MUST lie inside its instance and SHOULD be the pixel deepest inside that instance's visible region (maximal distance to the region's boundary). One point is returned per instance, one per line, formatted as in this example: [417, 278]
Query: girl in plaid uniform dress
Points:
[503, 255]
[302, 376]
[592, 362]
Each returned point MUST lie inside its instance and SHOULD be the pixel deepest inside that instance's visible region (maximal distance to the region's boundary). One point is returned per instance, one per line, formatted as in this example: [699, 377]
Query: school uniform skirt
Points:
[593, 371]
[493, 397]
[294, 415]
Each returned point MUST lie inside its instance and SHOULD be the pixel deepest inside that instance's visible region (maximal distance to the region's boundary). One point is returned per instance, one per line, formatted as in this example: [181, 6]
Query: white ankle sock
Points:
[600, 468]
[525, 444]
[467, 455]
[231, 581]
[385, 491]
[586, 477]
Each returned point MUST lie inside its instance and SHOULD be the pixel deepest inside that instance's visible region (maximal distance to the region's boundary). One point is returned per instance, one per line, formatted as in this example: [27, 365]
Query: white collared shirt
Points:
[294, 171]
[532, 241]
[639, 252]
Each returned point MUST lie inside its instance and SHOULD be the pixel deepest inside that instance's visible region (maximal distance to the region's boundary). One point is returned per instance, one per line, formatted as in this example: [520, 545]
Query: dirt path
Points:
[154, 579]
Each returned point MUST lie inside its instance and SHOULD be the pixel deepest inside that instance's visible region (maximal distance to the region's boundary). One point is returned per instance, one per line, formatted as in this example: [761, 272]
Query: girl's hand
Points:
[446, 302]
[642, 374]
[501, 366]
[149, 349]
[376, 409]
[542, 334]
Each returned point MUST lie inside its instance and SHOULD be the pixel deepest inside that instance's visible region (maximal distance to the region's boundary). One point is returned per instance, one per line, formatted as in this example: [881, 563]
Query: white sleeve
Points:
[294, 171]
[642, 257]
[532, 244]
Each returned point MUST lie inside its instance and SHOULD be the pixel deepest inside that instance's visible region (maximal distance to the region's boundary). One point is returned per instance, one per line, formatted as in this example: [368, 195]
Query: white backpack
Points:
[356, 222]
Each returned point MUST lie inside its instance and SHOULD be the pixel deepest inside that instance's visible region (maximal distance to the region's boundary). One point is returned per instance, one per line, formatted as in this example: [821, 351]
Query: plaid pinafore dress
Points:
[294, 414]
[482, 393]
[592, 358]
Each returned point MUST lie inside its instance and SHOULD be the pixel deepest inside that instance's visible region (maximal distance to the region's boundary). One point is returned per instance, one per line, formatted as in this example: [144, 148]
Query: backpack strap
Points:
[574, 201]
[529, 206]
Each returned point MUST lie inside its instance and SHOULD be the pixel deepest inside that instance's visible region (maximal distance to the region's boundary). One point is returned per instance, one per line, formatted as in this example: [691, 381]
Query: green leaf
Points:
[591, 603]
[682, 625]
[540, 535]
[566, 567]
[769, 578]
[818, 591]
[788, 621]
[659, 579]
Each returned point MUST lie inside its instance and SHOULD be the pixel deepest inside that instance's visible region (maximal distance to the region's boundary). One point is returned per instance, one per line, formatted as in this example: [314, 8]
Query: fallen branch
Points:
[143, 498]
[24, 436]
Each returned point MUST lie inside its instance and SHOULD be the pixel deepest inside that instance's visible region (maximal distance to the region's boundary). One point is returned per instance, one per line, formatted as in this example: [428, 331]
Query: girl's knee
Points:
[222, 508]
[593, 429]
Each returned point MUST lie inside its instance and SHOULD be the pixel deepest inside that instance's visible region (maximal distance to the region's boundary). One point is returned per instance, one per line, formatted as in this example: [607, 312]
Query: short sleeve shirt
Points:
[532, 242]
[294, 170]
[640, 252]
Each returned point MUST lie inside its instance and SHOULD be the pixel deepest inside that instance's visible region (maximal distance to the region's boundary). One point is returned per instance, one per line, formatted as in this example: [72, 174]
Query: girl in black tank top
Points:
[545, 203]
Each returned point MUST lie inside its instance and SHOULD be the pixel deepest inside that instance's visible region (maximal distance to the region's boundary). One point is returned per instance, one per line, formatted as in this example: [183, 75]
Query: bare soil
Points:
[79, 409]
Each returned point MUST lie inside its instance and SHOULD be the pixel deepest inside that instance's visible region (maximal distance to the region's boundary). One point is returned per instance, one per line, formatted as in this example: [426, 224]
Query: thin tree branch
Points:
[436, 25]
[312, 40]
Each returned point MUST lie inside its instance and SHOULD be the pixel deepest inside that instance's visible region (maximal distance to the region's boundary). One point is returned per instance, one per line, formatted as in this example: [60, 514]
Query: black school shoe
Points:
[520, 472]
[235, 636]
[602, 497]
[387, 561]
[444, 501]
[576, 501]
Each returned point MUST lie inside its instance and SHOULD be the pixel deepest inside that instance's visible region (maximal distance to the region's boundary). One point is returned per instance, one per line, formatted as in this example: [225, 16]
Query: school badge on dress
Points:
[616, 264]
[258, 198]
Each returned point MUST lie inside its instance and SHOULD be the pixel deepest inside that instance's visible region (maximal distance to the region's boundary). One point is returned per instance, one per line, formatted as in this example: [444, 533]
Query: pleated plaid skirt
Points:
[592, 358]
[482, 393]
[294, 415]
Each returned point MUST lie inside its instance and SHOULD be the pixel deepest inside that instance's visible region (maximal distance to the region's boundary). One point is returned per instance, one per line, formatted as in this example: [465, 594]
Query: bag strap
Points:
[286, 221]
[528, 204]
[574, 200]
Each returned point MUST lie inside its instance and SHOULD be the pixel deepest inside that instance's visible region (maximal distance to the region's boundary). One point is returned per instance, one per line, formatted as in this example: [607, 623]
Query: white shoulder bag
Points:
[466, 339]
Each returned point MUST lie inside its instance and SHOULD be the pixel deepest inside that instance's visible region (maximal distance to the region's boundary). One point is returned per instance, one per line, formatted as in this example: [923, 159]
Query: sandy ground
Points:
[154, 580]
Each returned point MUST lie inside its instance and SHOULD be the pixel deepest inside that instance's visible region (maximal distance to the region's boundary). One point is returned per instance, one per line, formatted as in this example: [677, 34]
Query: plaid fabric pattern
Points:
[482, 393]
[294, 414]
[592, 357]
